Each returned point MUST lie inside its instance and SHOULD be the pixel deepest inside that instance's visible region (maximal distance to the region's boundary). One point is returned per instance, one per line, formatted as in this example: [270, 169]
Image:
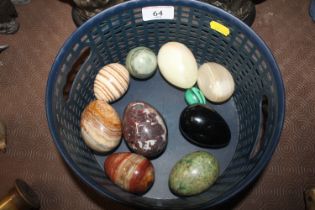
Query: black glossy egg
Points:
[203, 126]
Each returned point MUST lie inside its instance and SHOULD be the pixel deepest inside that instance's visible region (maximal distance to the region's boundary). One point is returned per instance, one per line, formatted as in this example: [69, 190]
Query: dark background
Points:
[31, 155]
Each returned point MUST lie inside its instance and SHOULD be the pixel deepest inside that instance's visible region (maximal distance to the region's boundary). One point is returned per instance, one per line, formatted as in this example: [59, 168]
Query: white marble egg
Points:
[178, 65]
[111, 82]
[215, 82]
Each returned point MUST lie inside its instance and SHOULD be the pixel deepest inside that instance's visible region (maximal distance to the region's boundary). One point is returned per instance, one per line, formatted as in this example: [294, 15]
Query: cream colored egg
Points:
[178, 65]
[216, 82]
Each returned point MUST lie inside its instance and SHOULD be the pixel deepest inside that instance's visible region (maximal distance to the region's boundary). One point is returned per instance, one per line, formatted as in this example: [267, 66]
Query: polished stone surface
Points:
[131, 172]
[204, 126]
[194, 96]
[178, 65]
[100, 126]
[194, 173]
[111, 82]
[216, 82]
[141, 62]
[144, 129]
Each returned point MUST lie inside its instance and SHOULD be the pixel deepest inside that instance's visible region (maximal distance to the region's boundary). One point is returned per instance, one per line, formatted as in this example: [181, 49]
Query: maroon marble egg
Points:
[131, 172]
[144, 129]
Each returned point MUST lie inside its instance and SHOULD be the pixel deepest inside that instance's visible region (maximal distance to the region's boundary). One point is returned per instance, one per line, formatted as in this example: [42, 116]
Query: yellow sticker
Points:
[220, 28]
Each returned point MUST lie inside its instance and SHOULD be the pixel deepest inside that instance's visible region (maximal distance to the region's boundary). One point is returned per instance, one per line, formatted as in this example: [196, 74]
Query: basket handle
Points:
[77, 64]
[258, 145]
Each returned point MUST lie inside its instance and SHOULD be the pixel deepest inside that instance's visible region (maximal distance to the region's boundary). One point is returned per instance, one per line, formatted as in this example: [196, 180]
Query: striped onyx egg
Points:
[131, 172]
[111, 82]
[100, 126]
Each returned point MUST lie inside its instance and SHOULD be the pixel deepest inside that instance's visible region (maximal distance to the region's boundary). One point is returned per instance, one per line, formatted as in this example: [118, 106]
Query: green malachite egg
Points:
[194, 174]
[194, 96]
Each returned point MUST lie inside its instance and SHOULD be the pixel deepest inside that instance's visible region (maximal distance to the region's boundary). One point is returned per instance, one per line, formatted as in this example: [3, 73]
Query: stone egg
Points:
[216, 82]
[144, 129]
[131, 172]
[141, 62]
[100, 126]
[204, 127]
[194, 96]
[111, 82]
[194, 173]
[178, 65]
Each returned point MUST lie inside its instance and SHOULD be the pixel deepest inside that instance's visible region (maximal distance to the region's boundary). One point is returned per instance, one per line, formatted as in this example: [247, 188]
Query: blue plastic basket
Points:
[255, 113]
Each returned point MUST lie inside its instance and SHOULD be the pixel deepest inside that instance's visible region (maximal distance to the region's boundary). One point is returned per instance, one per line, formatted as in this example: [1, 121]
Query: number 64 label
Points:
[157, 13]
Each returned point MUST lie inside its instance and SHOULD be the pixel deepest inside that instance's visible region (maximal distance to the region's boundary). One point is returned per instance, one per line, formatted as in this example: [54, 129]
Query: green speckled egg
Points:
[194, 173]
[194, 96]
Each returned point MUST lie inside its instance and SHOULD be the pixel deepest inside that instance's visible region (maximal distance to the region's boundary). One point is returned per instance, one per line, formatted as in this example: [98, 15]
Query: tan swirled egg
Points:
[111, 82]
[178, 65]
[100, 126]
[215, 82]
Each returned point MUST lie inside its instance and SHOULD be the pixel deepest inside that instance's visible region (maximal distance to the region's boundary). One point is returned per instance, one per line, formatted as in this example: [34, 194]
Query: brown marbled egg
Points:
[144, 129]
[131, 172]
[111, 82]
[100, 126]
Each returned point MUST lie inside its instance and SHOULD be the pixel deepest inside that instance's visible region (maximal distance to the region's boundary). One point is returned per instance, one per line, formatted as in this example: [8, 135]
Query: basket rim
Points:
[255, 38]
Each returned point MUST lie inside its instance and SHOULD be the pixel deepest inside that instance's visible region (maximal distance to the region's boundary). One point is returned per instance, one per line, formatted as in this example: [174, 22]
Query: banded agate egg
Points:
[111, 82]
[100, 126]
[131, 172]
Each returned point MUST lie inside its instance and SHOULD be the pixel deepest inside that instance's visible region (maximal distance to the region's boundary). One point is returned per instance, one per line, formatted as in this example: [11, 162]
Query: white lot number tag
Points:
[157, 13]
